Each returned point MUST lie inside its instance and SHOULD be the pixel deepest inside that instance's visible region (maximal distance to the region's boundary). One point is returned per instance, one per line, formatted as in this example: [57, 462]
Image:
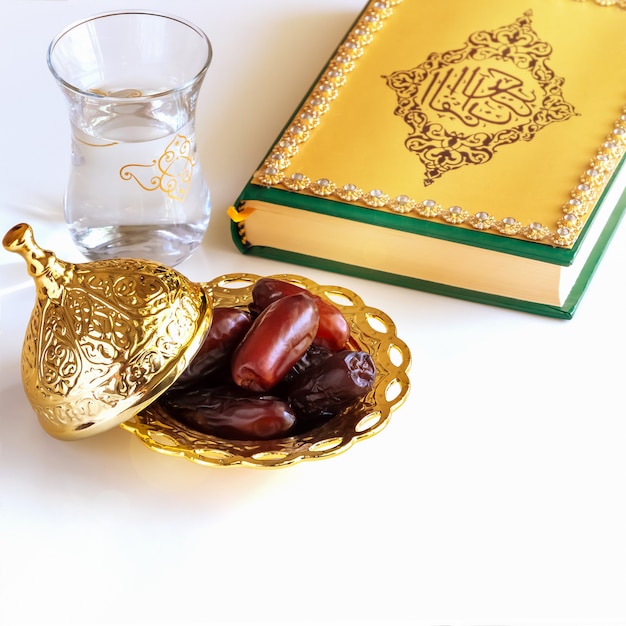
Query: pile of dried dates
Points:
[280, 367]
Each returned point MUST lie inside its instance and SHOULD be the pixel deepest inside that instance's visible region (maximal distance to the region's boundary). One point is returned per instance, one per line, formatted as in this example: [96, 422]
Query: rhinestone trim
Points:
[563, 234]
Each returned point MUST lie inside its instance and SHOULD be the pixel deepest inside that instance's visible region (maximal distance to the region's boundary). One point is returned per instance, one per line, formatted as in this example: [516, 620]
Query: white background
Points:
[494, 496]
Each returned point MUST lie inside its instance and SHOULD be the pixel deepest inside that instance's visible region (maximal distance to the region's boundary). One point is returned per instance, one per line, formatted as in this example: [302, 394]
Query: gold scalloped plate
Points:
[371, 330]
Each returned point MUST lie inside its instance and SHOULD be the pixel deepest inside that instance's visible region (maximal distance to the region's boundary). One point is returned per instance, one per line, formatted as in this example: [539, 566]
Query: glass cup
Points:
[131, 81]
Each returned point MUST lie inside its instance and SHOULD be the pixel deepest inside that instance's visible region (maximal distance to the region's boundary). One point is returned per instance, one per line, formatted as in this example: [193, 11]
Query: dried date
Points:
[333, 330]
[332, 384]
[230, 412]
[314, 355]
[278, 338]
[228, 327]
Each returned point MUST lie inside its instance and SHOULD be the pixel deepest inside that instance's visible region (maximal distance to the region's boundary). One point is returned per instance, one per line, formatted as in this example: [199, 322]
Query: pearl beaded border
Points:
[563, 234]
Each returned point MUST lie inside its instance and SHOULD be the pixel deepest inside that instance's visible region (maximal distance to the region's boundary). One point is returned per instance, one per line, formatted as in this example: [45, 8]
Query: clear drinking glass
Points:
[131, 81]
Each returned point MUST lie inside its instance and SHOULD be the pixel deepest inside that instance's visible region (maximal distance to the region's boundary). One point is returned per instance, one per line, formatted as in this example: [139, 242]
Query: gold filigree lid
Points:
[105, 338]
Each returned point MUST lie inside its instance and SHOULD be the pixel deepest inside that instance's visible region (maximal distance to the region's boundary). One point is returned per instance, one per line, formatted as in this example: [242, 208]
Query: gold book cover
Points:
[470, 148]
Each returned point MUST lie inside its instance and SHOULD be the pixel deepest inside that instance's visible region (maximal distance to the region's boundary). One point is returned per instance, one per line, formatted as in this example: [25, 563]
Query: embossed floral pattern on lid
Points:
[105, 338]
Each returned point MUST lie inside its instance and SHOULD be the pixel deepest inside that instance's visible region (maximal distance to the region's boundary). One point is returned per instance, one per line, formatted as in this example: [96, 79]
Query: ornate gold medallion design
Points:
[170, 173]
[462, 105]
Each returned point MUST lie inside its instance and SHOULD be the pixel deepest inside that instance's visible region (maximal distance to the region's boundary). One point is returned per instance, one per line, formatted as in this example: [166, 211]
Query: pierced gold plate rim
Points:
[371, 330]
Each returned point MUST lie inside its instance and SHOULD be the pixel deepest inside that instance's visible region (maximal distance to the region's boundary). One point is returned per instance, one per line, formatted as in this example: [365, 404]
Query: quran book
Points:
[473, 149]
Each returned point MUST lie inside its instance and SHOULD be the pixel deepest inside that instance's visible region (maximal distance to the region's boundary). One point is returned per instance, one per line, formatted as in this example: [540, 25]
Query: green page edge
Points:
[564, 312]
[498, 243]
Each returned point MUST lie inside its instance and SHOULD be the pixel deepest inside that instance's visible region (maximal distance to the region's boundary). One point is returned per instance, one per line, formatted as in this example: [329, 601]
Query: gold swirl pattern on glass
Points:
[371, 330]
[174, 170]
